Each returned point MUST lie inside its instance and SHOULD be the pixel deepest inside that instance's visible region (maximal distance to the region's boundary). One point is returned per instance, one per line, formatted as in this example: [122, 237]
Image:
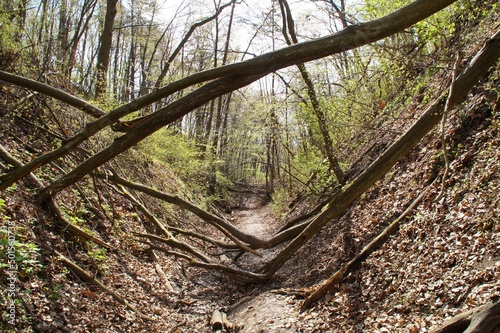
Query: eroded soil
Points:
[265, 311]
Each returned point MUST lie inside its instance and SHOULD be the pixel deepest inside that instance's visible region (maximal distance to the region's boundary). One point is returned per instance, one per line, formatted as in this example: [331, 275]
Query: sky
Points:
[310, 22]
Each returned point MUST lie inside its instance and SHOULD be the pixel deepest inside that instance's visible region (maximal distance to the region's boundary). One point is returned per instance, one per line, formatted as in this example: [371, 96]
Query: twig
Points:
[447, 109]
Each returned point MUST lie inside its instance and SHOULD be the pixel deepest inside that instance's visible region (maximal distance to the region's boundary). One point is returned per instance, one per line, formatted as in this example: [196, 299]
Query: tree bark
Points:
[105, 48]
[58, 94]
[483, 319]
[235, 76]
[478, 67]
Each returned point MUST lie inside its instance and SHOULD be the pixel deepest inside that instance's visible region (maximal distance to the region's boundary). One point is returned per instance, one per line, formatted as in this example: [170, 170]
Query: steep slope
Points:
[445, 258]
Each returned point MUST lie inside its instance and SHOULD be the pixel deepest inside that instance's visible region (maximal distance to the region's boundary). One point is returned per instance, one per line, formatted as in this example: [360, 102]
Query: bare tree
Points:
[105, 48]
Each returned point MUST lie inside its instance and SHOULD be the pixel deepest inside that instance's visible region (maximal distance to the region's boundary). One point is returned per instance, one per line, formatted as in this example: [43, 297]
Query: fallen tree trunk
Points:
[53, 92]
[233, 273]
[483, 319]
[477, 68]
[224, 226]
[322, 288]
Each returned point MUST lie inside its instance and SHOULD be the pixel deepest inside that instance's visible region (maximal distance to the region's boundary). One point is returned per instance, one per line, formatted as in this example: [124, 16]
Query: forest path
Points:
[264, 310]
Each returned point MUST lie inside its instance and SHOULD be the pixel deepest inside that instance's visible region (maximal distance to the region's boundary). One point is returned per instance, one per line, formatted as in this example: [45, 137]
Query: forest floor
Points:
[444, 260]
[265, 311]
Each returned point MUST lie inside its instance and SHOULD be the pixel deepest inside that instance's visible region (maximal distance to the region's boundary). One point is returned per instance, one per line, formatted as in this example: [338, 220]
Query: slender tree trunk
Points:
[220, 102]
[105, 48]
[81, 26]
[313, 97]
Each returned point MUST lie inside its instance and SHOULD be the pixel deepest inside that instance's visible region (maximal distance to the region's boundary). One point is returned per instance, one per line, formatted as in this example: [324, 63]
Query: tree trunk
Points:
[105, 48]
[232, 76]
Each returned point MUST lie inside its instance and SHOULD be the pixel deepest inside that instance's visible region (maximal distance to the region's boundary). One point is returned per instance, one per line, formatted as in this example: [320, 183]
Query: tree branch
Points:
[479, 66]
[236, 75]
[52, 92]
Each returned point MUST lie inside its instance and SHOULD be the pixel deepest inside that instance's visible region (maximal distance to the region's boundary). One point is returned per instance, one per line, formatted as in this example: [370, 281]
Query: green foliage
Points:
[54, 292]
[8, 29]
[16, 253]
[98, 257]
[174, 151]
[279, 204]
[75, 220]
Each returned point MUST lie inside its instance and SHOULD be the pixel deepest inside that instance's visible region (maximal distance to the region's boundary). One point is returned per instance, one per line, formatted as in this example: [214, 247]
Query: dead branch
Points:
[317, 209]
[204, 215]
[204, 238]
[86, 276]
[53, 92]
[172, 242]
[54, 207]
[233, 273]
[20, 102]
[169, 239]
[161, 273]
[447, 110]
[216, 321]
[219, 322]
[322, 288]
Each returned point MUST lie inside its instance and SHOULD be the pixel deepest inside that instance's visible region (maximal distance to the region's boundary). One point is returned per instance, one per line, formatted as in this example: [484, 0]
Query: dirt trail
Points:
[265, 311]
